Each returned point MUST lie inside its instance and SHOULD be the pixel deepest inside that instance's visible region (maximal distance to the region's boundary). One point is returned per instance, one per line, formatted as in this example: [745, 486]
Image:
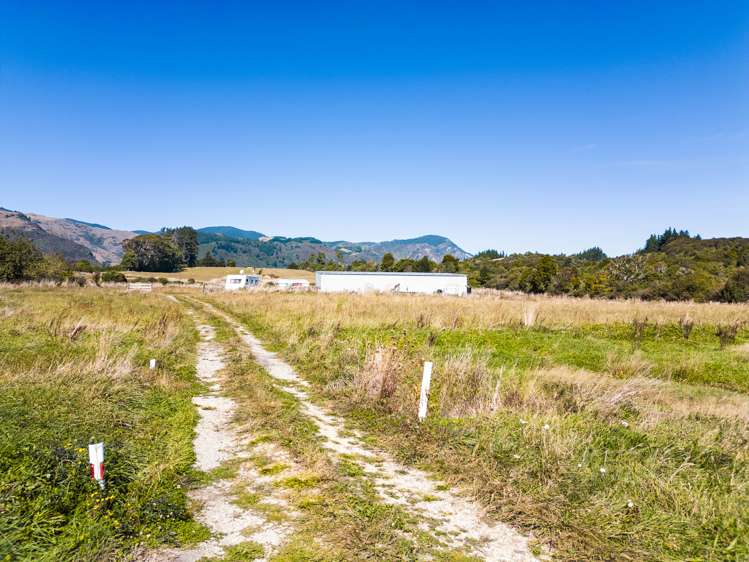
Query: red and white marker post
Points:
[96, 460]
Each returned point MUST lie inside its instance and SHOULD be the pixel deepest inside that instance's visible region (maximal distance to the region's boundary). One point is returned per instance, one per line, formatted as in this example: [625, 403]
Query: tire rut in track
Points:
[218, 441]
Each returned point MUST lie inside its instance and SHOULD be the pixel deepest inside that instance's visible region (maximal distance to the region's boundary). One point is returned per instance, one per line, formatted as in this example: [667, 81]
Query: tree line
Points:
[670, 266]
[320, 262]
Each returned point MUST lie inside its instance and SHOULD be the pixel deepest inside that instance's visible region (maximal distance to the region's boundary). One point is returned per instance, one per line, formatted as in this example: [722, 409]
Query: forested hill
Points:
[672, 266]
[278, 251]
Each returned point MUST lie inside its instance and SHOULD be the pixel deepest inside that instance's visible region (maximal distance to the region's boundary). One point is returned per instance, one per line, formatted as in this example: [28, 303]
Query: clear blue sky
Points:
[546, 126]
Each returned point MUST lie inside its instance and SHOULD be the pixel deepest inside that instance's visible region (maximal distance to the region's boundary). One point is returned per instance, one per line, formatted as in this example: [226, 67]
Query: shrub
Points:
[736, 288]
[113, 277]
[83, 265]
[727, 333]
[686, 324]
[638, 331]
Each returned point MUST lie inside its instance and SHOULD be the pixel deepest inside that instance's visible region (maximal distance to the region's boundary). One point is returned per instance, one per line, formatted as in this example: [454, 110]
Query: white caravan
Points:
[237, 282]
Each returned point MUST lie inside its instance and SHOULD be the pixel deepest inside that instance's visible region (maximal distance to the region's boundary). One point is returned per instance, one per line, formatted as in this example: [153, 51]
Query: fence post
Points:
[96, 460]
[426, 381]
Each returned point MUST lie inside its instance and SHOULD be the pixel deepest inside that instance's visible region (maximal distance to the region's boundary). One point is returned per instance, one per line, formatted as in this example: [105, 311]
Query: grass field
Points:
[611, 430]
[73, 370]
[210, 273]
[608, 430]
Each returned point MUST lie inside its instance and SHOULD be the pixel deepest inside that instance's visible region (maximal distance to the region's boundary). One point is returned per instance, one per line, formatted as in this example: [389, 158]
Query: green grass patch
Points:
[62, 391]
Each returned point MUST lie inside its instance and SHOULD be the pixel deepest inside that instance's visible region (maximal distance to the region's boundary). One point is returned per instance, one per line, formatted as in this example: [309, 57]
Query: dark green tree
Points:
[540, 278]
[19, 260]
[656, 242]
[387, 263]
[185, 239]
[449, 264]
[593, 254]
[736, 288]
[151, 252]
[209, 261]
[424, 265]
[489, 254]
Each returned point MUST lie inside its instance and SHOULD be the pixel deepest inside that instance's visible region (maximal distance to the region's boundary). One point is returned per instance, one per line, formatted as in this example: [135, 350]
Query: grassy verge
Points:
[73, 369]
[606, 463]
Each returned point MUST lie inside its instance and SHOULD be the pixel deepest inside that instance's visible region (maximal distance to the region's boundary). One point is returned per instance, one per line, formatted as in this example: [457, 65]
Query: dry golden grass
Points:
[488, 310]
[655, 400]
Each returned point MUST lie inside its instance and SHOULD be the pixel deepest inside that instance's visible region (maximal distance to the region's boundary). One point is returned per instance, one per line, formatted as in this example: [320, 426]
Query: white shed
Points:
[236, 282]
[291, 283]
[391, 282]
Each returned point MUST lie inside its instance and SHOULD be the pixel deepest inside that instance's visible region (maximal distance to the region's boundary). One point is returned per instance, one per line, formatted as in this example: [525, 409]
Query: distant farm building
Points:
[391, 282]
[237, 282]
[291, 283]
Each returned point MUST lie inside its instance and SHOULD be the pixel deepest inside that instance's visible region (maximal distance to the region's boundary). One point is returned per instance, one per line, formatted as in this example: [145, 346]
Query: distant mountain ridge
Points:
[73, 239]
[232, 232]
[80, 240]
[279, 251]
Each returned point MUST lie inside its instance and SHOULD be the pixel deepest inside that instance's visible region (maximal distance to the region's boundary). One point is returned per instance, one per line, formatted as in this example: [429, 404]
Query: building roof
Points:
[392, 273]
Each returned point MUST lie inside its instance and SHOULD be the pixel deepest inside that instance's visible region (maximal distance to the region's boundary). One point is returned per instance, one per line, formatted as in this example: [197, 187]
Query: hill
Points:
[232, 232]
[73, 239]
[80, 240]
[682, 268]
[279, 251]
[432, 246]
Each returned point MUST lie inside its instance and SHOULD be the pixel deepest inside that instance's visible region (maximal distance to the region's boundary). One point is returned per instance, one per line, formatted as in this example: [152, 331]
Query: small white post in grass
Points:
[152, 364]
[426, 381]
[96, 459]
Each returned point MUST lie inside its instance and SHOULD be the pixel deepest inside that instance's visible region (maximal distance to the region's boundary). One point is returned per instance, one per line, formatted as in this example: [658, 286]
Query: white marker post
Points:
[152, 364]
[96, 459]
[426, 381]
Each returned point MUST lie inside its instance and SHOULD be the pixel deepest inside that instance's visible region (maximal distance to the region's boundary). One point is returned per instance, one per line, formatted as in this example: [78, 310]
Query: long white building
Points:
[391, 282]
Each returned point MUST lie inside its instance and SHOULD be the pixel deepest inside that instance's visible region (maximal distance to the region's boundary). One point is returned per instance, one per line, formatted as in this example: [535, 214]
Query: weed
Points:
[727, 333]
[687, 325]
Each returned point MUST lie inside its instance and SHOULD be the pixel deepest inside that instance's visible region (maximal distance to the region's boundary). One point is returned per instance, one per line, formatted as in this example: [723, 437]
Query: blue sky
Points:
[547, 126]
